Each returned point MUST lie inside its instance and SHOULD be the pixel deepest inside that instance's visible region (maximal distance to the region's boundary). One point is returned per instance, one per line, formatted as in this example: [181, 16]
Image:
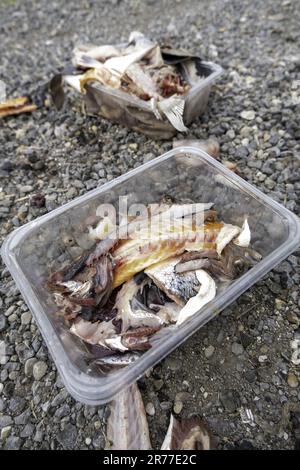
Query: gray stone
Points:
[67, 436]
[3, 323]
[63, 411]
[249, 115]
[27, 431]
[209, 351]
[26, 318]
[28, 368]
[60, 398]
[13, 443]
[237, 349]
[17, 405]
[39, 370]
[23, 418]
[5, 420]
[150, 409]
[230, 399]
[173, 363]
[5, 432]
[39, 436]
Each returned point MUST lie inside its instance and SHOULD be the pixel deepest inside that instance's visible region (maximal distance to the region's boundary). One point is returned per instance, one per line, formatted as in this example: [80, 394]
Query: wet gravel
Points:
[240, 361]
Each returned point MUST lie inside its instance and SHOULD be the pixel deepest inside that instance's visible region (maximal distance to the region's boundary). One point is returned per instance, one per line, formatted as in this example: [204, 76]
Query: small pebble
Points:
[292, 380]
[28, 368]
[26, 318]
[150, 410]
[12, 318]
[3, 323]
[209, 351]
[292, 318]
[177, 408]
[248, 115]
[262, 359]
[5, 432]
[237, 349]
[39, 370]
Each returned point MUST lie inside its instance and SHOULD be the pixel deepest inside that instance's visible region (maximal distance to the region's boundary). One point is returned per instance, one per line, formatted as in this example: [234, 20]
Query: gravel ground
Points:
[240, 360]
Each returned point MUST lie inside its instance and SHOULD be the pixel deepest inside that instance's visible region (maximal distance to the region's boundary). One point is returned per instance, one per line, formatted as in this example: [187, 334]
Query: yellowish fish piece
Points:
[133, 256]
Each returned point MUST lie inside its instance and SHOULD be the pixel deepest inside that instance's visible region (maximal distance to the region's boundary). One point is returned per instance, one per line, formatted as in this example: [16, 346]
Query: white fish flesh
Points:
[207, 292]
[244, 237]
[227, 233]
[100, 53]
[121, 64]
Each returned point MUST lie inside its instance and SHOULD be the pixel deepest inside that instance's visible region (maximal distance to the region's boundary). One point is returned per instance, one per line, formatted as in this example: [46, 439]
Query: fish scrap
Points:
[127, 427]
[191, 434]
[160, 76]
[15, 106]
[157, 272]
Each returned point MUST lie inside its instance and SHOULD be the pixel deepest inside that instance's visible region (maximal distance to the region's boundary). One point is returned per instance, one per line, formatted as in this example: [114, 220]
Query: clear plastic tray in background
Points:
[133, 112]
[33, 251]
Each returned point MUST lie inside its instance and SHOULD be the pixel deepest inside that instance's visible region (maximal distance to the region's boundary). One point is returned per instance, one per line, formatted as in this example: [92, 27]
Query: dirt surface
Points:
[239, 361]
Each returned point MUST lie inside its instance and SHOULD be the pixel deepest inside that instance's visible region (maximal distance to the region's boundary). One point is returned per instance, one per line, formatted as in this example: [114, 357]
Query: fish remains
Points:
[150, 73]
[156, 271]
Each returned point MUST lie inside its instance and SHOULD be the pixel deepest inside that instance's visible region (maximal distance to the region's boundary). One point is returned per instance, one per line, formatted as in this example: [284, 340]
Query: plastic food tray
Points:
[41, 246]
[137, 114]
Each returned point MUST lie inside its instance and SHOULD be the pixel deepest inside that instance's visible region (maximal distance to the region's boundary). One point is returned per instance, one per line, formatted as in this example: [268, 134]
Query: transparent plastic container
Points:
[133, 112]
[41, 246]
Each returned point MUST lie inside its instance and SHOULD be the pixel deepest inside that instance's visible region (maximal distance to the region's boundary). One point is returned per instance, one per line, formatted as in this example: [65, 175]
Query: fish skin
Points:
[119, 360]
[137, 318]
[93, 333]
[76, 288]
[191, 265]
[190, 434]
[127, 427]
[142, 255]
[178, 287]
[103, 280]
[138, 339]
